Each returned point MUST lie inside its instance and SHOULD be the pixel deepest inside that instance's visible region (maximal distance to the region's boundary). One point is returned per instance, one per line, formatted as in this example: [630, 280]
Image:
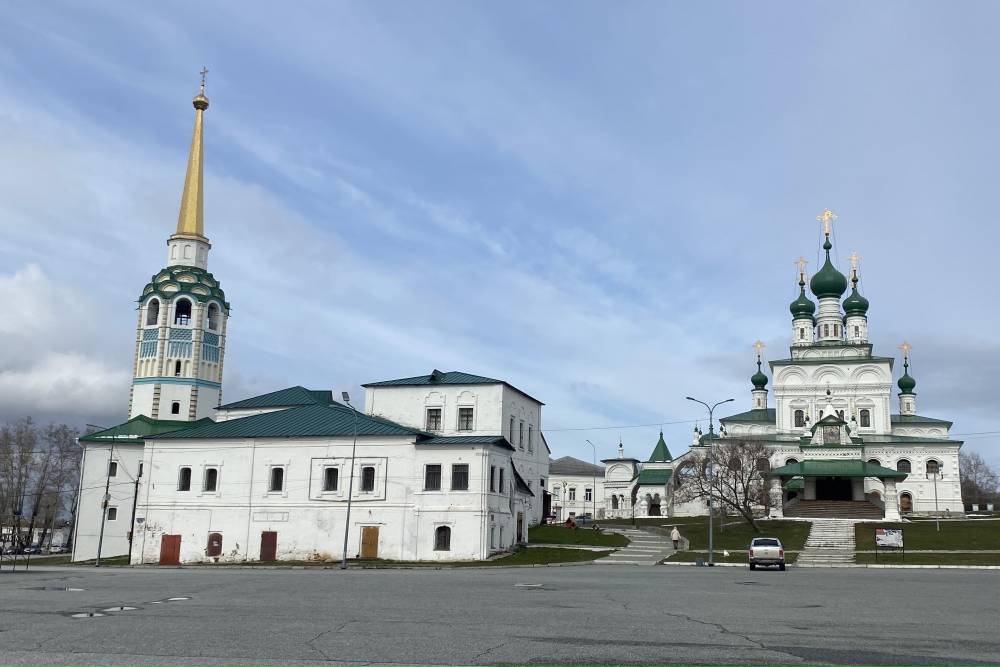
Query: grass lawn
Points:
[737, 534]
[543, 555]
[966, 535]
[929, 559]
[734, 557]
[65, 560]
[558, 535]
[661, 521]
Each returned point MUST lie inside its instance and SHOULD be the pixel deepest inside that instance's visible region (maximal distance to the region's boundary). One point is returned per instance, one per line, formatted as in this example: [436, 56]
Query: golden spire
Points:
[191, 221]
[826, 217]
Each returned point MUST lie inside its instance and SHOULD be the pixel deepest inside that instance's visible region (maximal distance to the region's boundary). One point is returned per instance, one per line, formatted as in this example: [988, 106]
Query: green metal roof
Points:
[834, 468]
[795, 484]
[283, 398]
[497, 440]
[191, 281]
[134, 430]
[654, 477]
[660, 452]
[436, 377]
[303, 422]
[917, 419]
[766, 415]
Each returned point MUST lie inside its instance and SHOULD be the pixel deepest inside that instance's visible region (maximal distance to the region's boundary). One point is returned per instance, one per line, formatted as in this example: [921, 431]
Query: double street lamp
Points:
[593, 488]
[710, 471]
[350, 483]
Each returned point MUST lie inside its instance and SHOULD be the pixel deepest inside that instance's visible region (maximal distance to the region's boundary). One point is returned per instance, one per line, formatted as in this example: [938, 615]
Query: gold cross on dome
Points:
[204, 74]
[801, 263]
[759, 347]
[826, 217]
[855, 260]
[906, 347]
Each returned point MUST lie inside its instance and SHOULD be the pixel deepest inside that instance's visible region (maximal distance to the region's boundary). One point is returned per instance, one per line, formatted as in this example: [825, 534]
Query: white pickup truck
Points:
[766, 551]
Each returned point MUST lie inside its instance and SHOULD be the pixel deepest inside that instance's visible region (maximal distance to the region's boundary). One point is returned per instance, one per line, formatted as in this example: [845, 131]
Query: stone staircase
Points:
[834, 509]
[646, 547]
[830, 543]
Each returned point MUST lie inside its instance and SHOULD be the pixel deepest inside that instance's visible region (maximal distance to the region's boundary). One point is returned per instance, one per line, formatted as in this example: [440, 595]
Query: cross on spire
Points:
[204, 75]
[759, 347]
[906, 347]
[801, 263]
[826, 217]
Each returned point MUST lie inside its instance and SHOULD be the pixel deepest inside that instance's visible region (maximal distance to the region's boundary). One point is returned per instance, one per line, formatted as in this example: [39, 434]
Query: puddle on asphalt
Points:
[120, 609]
[750, 583]
[55, 588]
[528, 585]
[176, 599]
[87, 614]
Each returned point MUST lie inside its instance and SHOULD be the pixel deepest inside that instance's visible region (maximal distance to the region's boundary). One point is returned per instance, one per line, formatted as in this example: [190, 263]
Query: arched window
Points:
[875, 494]
[836, 330]
[187, 252]
[277, 481]
[790, 461]
[874, 462]
[866, 418]
[800, 418]
[685, 474]
[211, 479]
[331, 478]
[152, 312]
[614, 502]
[184, 480]
[177, 368]
[175, 407]
[857, 331]
[442, 538]
[826, 330]
[903, 465]
[213, 317]
[182, 312]
[905, 502]
[763, 465]
[933, 467]
[802, 333]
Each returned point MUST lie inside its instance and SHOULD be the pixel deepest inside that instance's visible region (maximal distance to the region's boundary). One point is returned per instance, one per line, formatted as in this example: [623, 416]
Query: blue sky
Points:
[598, 202]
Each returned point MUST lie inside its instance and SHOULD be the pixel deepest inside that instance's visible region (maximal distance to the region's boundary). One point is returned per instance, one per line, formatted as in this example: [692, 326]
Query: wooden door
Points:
[214, 548]
[369, 542]
[268, 545]
[170, 550]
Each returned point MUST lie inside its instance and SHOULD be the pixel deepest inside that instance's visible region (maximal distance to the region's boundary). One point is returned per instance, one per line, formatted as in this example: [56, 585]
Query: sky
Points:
[600, 203]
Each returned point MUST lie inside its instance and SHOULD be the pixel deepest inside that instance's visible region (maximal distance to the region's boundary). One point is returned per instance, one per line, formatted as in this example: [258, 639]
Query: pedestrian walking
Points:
[675, 535]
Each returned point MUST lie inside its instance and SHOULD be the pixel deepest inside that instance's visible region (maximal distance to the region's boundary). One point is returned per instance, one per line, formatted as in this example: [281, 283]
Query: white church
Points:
[443, 466]
[837, 447]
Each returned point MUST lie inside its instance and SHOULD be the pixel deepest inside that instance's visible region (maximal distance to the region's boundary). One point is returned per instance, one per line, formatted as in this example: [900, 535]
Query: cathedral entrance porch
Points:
[833, 509]
[834, 488]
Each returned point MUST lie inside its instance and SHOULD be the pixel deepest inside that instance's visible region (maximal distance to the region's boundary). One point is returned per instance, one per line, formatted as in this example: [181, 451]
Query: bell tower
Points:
[181, 334]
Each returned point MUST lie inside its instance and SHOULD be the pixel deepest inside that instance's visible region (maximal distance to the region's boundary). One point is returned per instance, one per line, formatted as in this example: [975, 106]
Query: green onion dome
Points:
[758, 379]
[906, 383]
[855, 304]
[828, 281]
[802, 307]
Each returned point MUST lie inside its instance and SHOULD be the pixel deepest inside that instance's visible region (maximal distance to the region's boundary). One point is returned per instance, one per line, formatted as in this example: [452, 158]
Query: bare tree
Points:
[39, 471]
[731, 474]
[980, 483]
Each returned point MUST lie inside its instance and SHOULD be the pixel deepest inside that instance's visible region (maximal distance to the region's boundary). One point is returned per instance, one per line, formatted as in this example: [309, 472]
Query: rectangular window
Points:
[520, 437]
[460, 477]
[531, 447]
[493, 478]
[866, 418]
[277, 480]
[184, 480]
[112, 514]
[368, 479]
[802, 333]
[433, 419]
[800, 418]
[511, 431]
[432, 477]
[331, 479]
[211, 482]
[572, 494]
[501, 487]
[465, 419]
[140, 468]
[588, 495]
[113, 469]
[857, 331]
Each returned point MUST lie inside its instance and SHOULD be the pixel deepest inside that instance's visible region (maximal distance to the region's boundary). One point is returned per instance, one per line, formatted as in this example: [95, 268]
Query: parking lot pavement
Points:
[487, 616]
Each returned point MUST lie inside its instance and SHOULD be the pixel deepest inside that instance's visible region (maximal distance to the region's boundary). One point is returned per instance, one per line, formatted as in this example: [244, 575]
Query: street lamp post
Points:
[937, 514]
[593, 488]
[710, 472]
[350, 483]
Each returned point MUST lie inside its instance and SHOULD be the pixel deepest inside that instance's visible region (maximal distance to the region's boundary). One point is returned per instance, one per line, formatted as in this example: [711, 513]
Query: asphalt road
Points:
[585, 614]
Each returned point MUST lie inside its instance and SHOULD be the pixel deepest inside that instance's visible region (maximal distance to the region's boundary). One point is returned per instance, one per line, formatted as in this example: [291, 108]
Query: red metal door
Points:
[268, 545]
[170, 550]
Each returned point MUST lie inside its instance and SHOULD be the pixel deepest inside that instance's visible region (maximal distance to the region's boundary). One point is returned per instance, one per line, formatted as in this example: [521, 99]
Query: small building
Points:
[577, 489]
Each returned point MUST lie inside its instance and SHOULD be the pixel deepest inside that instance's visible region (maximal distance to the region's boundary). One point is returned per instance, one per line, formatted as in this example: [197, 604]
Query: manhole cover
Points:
[120, 609]
[87, 614]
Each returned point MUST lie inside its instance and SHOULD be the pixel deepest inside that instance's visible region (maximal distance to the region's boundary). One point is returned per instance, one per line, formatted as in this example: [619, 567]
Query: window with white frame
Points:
[531, 446]
[368, 479]
[520, 437]
[442, 538]
[460, 477]
[501, 484]
[800, 418]
[432, 477]
[588, 495]
[184, 479]
[493, 478]
[465, 419]
[276, 480]
[331, 478]
[865, 418]
[112, 468]
[433, 419]
[512, 430]
[112, 514]
[210, 483]
[572, 494]
[933, 467]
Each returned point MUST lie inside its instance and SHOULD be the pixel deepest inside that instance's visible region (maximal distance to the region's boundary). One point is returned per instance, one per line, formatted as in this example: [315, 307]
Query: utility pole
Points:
[711, 489]
[593, 491]
[350, 483]
[104, 506]
[135, 501]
